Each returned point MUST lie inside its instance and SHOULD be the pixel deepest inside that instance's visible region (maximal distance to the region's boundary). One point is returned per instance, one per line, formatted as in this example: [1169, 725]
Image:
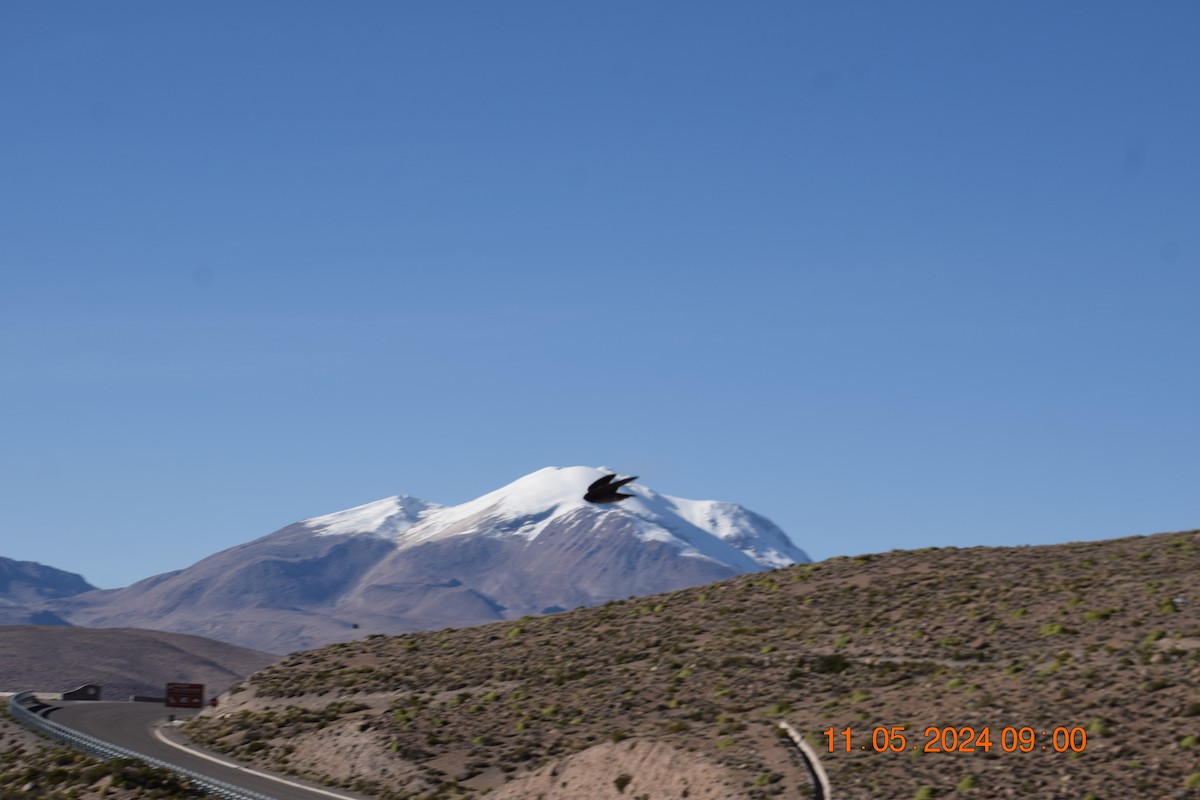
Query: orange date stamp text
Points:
[951, 739]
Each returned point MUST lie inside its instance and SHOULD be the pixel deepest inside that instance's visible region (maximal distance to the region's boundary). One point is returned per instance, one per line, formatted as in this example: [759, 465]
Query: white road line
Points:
[821, 789]
[158, 734]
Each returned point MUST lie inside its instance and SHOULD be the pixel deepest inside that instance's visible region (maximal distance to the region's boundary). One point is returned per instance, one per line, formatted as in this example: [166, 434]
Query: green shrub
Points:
[1098, 614]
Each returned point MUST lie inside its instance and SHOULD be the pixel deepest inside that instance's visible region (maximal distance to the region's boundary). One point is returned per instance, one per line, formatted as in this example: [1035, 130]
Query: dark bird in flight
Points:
[605, 490]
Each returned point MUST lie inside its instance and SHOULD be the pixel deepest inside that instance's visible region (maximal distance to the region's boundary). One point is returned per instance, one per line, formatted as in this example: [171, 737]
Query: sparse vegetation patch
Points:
[951, 638]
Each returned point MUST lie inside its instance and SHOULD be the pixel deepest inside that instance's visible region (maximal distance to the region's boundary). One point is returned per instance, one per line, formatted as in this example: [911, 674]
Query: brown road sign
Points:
[185, 695]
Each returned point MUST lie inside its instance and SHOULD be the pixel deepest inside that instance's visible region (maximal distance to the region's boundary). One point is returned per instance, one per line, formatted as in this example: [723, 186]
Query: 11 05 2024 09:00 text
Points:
[950, 739]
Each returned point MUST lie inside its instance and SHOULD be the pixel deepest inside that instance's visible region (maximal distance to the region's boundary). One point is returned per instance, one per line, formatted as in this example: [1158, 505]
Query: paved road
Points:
[136, 726]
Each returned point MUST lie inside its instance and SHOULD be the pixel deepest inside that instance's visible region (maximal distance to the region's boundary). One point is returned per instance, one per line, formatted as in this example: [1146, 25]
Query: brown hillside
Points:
[124, 661]
[678, 695]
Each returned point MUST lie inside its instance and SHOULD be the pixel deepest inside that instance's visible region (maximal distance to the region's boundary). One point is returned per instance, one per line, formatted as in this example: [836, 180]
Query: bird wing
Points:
[602, 484]
[622, 482]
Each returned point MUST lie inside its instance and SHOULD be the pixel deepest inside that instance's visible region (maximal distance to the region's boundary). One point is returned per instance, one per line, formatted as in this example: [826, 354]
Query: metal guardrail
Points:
[105, 750]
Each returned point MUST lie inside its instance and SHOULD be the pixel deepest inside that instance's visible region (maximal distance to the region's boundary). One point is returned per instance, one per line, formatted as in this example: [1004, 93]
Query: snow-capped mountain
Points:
[398, 564]
[707, 529]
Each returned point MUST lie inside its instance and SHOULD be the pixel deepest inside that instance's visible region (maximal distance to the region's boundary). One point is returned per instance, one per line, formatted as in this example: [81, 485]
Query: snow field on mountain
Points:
[722, 532]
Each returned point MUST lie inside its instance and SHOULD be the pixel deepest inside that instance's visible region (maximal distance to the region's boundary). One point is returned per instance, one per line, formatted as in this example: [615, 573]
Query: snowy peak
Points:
[721, 532]
[387, 518]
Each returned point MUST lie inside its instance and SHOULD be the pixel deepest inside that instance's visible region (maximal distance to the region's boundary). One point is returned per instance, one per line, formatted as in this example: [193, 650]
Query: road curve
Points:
[136, 726]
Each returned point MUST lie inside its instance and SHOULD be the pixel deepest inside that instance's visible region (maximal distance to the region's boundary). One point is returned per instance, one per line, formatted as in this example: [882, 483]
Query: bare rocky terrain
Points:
[679, 695]
[123, 661]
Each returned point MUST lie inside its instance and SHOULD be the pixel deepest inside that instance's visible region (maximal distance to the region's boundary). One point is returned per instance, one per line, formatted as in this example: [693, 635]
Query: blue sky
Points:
[892, 274]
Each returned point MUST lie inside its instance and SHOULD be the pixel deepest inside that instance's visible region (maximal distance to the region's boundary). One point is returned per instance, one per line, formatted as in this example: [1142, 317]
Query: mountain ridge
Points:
[26, 585]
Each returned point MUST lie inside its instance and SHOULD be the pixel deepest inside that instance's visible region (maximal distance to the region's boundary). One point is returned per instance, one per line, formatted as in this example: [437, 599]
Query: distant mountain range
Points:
[404, 564]
[26, 585]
